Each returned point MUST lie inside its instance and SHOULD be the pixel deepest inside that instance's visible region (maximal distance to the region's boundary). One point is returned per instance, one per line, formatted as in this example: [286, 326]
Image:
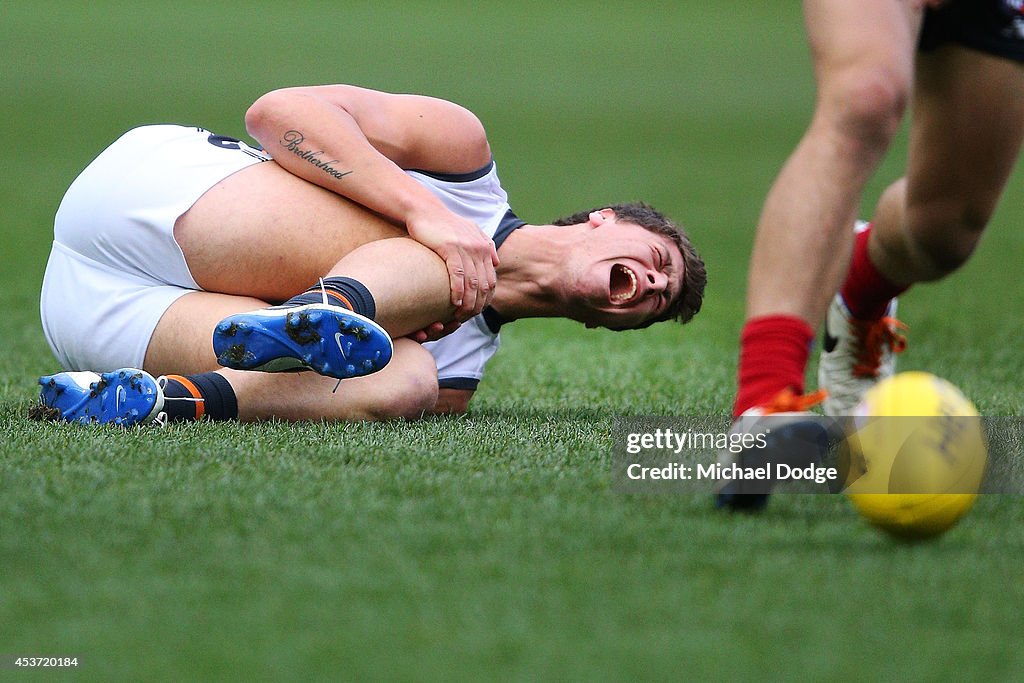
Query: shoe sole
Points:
[329, 340]
[792, 440]
[124, 397]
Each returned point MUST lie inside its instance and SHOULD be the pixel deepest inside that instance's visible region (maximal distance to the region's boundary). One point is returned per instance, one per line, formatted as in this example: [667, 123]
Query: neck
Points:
[532, 277]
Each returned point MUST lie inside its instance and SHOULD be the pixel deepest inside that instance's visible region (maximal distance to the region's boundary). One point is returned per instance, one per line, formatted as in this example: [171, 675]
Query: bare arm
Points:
[452, 401]
[356, 143]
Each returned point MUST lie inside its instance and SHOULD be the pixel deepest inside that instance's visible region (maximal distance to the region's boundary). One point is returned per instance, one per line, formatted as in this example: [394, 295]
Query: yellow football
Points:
[919, 447]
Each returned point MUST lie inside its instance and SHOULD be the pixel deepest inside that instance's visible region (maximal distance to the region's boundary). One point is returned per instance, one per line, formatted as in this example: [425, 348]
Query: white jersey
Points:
[479, 197]
[115, 268]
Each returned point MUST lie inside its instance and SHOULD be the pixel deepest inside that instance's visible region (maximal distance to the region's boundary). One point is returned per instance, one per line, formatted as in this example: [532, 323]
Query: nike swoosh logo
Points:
[830, 341]
[337, 340]
[119, 396]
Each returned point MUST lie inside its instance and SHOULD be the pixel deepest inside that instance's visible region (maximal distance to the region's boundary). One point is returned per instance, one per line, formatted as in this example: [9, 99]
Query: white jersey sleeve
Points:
[476, 196]
[462, 355]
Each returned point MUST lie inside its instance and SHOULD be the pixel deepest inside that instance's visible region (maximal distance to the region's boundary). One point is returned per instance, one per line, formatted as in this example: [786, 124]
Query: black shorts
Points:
[992, 26]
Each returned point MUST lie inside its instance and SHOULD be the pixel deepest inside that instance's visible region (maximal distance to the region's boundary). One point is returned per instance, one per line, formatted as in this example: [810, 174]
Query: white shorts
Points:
[115, 268]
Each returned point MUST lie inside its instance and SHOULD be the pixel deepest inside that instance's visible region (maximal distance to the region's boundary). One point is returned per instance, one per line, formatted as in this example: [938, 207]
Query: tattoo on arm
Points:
[292, 141]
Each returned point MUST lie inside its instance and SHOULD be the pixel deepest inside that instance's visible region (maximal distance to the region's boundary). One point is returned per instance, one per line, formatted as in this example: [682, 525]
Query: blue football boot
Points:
[123, 397]
[330, 340]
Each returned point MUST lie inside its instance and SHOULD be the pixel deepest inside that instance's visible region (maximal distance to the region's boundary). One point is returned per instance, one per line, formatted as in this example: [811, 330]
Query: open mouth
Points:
[622, 284]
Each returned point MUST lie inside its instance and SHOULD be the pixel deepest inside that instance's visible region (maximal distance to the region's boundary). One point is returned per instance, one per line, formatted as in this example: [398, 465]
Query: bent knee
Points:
[940, 253]
[409, 388]
[943, 240]
[866, 104]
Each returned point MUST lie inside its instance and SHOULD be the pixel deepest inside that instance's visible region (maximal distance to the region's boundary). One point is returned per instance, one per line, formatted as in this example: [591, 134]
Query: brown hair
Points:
[690, 297]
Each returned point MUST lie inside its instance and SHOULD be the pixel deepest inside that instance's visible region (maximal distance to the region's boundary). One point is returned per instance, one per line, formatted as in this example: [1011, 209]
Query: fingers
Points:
[434, 331]
[473, 279]
[469, 256]
[487, 275]
[492, 272]
[472, 299]
[447, 328]
[457, 277]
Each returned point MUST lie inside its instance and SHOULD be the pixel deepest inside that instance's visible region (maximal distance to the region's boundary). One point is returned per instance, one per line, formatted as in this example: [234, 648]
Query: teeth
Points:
[626, 296]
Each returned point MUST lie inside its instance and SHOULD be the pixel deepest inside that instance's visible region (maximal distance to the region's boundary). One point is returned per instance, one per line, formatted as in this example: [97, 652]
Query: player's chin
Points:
[616, 320]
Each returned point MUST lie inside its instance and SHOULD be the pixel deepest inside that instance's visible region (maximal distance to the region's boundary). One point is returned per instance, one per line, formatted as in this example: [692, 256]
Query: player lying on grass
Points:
[174, 235]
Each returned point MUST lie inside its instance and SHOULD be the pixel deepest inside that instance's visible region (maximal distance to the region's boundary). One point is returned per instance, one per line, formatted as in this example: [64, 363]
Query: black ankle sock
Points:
[207, 394]
[341, 291]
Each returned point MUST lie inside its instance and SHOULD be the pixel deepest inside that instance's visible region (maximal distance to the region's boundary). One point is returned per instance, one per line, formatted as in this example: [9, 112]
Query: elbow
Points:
[477, 148]
[261, 113]
[452, 402]
[257, 113]
[450, 409]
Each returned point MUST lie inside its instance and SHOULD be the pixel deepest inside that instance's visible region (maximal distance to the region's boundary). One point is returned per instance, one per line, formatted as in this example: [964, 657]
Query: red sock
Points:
[867, 292]
[773, 356]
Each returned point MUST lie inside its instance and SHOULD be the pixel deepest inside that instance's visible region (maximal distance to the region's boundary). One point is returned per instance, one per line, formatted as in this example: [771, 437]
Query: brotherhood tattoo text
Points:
[292, 141]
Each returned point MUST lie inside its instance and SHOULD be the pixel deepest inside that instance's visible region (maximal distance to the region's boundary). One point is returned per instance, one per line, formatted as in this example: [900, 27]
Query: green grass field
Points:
[490, 546]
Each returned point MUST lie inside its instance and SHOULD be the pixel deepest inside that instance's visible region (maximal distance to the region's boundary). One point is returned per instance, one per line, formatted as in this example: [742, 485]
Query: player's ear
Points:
[599, 217]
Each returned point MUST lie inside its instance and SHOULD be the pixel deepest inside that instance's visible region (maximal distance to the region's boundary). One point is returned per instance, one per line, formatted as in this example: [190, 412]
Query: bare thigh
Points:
[965, 138]
[263, 232]
[261, 236]
[182, 342]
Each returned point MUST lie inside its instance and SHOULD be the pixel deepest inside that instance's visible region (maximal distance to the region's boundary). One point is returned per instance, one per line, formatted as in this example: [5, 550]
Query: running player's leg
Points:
[965, 137]
[863, 59]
